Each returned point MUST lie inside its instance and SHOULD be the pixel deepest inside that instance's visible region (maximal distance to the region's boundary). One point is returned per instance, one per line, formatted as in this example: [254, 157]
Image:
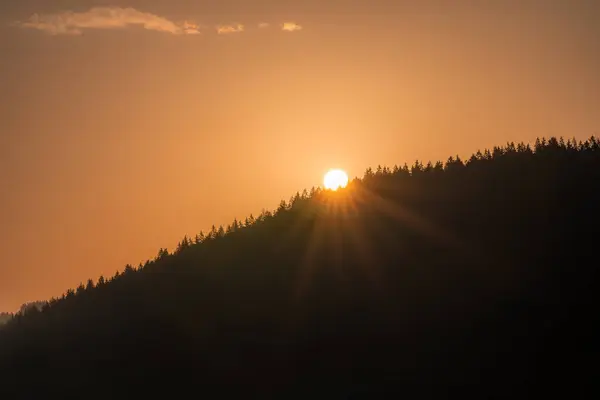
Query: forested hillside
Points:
[477, 276]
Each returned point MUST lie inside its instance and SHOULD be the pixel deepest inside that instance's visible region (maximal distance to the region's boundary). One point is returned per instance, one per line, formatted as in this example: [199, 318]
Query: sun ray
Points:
[418, 224]
[360, 245]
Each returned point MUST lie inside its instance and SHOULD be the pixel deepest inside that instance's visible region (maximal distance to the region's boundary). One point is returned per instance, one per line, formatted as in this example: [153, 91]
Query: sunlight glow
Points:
[335, 179]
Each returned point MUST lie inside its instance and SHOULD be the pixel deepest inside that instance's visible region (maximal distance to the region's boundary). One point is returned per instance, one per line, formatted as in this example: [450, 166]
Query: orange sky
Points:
[122, 129]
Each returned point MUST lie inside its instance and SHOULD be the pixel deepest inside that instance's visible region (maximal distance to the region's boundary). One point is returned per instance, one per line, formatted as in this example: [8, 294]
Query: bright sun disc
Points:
[335, 179]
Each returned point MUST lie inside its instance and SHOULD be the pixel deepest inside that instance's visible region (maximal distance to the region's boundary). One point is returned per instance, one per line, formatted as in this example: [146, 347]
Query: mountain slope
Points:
[478, 277]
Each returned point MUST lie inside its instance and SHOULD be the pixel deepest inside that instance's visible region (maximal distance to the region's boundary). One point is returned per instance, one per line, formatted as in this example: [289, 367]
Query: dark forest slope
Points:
[473, 277]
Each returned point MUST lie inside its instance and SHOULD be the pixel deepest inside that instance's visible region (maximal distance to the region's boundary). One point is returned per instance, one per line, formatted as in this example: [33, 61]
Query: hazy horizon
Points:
[127, 124]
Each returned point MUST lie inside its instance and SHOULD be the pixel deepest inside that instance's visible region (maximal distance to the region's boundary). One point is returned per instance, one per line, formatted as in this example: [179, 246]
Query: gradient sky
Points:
[126, 124]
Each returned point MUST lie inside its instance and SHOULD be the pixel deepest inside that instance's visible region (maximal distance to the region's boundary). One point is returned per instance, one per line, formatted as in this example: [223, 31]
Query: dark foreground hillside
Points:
[468, 278]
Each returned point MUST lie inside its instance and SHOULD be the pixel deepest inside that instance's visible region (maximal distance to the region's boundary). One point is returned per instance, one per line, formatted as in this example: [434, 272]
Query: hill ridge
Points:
[445, 272]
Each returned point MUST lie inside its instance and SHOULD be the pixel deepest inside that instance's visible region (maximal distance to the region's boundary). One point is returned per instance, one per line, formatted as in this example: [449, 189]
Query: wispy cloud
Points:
[290, 27]
[190, 28]
[225, 29]
[73, 23]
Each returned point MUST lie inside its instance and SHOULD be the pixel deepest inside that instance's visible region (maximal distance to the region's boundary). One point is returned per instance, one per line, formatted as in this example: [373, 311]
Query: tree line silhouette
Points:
[476, 276]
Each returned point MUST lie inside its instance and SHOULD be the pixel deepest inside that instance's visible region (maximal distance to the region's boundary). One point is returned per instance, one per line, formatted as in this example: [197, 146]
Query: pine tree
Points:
[80, 289]
[213, 232]
[184, 244]
[282, 207]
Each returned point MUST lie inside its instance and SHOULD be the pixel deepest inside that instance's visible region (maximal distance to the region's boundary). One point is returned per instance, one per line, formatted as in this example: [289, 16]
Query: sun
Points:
[335, 179]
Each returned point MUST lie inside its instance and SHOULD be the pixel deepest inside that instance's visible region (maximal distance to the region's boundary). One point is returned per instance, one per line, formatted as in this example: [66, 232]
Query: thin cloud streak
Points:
[73, 23]
[290, 27]
[225, 29]
[190, 28]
